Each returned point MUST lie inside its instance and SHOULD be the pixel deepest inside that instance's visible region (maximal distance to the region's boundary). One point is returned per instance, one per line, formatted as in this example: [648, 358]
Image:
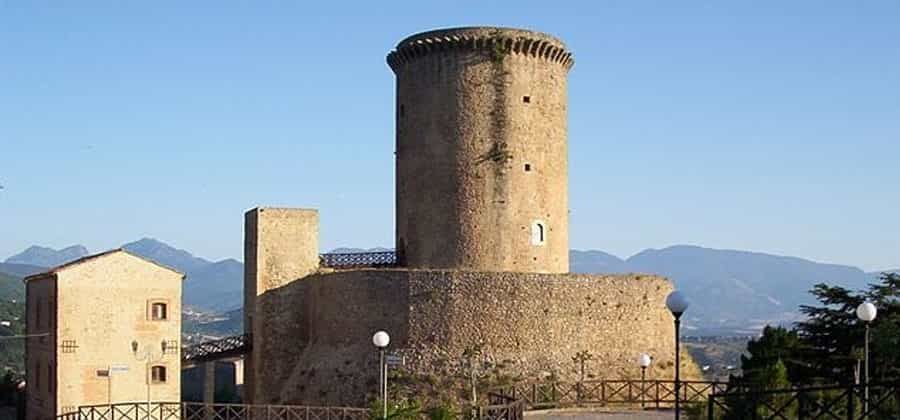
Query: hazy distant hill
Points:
[11, 288]
[20, 270]
[215, 286]
[596, 262]
[167, 255]
[732, 290]
[48, 257]
[218, 286]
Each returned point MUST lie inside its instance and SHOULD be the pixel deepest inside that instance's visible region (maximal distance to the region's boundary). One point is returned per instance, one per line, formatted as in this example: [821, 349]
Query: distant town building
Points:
[102, 329]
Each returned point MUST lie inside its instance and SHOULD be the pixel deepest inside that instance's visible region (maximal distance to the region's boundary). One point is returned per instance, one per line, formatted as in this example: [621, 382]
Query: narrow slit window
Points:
[538, 233]
[527, 167]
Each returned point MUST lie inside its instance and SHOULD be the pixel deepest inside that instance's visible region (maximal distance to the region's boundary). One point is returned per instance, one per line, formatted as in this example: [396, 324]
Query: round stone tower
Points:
[481, 150]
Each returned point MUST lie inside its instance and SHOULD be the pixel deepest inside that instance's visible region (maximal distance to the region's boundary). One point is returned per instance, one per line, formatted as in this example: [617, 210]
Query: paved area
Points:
[588, 414]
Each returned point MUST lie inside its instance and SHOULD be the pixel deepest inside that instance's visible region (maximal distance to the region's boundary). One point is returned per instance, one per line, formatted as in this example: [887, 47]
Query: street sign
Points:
[118, 369]
[394, 361]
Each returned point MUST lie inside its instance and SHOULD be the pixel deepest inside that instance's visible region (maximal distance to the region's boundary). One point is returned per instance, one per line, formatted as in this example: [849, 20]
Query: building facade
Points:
[102, 329]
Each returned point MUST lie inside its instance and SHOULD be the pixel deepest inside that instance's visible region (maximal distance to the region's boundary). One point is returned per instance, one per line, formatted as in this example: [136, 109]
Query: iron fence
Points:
[358, 259]
[501, 407]
[650, 393]
[218, 349]
[203, 411]
[831, 402]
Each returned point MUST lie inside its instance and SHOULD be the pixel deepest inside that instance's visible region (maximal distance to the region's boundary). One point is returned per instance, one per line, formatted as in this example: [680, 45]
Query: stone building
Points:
[481, 242]
[102, 329]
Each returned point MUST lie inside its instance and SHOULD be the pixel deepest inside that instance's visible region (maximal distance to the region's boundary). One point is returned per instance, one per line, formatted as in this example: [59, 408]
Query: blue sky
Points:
[768, 125]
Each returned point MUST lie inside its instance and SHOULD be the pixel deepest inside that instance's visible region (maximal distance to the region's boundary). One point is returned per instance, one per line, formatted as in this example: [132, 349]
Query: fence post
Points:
[603, 392]
[656, 384]
[851, 404]
[709, 408]
[801, 405]
[554, 393]
[534, 393]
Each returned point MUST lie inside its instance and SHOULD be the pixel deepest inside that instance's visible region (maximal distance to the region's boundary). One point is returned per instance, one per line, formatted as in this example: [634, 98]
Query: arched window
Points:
[538, 233]
[158, 374]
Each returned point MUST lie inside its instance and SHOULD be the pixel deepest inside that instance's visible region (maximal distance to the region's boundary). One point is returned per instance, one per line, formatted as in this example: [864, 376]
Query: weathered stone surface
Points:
[92, 309]
[534, 322]
[280, 246]
[481, 150]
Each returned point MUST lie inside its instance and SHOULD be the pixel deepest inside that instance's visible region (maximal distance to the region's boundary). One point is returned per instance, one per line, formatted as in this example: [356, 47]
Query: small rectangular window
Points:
[526, 99]
[159, 311]
[158, 374]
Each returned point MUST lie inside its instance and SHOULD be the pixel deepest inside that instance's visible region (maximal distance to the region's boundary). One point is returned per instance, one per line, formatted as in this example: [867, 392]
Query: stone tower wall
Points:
[280, 246]
[481, 150]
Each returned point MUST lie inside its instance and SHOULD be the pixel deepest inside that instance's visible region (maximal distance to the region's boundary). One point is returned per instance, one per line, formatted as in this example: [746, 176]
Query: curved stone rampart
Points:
[533, 323]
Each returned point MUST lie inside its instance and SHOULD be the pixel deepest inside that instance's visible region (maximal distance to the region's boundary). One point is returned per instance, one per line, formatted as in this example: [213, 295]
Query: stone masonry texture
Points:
[280, 246]
[93, 310]
[320, 349]
[481, 150]
[481, 165]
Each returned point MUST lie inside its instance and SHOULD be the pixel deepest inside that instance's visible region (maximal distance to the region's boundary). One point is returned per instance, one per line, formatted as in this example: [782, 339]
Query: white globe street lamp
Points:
[677, 304]
[644, 360]
[381, 340]
[866, 312]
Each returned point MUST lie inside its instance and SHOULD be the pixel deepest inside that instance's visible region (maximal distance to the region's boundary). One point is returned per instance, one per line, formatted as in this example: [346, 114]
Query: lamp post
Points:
[866, 312]
[644, 360]
[150, 358]
[677, 304]
[381, 339]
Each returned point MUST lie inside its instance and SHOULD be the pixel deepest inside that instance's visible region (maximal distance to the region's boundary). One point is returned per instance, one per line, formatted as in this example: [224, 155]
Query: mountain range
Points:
[733, 292]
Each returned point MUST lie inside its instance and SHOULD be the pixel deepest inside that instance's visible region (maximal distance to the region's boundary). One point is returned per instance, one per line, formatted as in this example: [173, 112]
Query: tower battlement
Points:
[489, 39]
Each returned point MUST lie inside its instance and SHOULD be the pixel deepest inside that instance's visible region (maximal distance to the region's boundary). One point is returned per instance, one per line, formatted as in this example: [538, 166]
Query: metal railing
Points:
[649, 393]
[829, 402]
[218, 349]
[203, 411]
[500, 407]
[358, 259]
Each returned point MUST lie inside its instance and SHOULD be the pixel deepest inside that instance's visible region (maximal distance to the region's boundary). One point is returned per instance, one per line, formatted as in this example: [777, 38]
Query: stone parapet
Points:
[489, 39]
[532, 323]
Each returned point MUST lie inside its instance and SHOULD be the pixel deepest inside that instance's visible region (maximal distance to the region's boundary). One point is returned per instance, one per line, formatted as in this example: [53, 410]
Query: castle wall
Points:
[481, 168]
[280, 246]
[535, 323]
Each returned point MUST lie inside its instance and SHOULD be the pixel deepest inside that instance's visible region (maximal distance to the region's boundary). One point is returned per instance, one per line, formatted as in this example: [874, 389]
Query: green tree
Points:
[832, 335]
